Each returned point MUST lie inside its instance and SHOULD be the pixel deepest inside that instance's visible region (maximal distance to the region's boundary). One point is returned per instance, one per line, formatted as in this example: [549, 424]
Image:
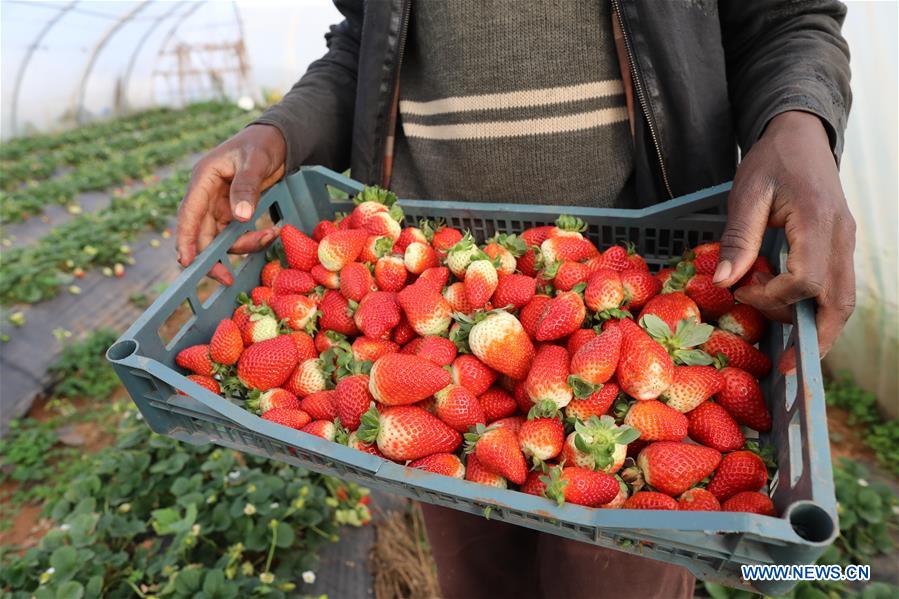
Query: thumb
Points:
[247, 185]
[748, 208]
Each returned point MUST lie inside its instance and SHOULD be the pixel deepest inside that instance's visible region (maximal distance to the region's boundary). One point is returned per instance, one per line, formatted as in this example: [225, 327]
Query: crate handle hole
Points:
[121, 350]
[811, 522]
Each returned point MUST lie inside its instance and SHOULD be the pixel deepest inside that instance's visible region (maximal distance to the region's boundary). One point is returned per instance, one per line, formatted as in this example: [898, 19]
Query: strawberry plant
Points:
[881, 435]
[82, 371]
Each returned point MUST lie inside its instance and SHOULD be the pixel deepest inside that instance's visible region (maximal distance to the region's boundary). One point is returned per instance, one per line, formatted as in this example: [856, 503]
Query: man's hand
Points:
[225, 184]
[789, 179]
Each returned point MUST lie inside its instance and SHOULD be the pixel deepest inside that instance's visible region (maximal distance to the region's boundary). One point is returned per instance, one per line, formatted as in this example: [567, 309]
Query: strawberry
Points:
[639, 287]
[656, 421]
[291, 418]
[530, 314]
[352, 399]
[578, 339]
[403, 333]
[698, 500]
[750, 501]
[226, 344]
[712, 300]
[673, 467]
[341, 248]
[547, 381]
[664, 275]
[596, 404]
[336, 314]
[761, 266]
[691, 386]
[497, 451]
[327, 278]
[498, 340]
[650, 500]
[307, 378]
[375, 247]
[645, 369]
[356, 281]
[391, 273]
[739, 354]
[446, 464]
[305, 345]
[461, 254]
[604, 293]
[599, 443]
[704, 257]
[401, 379]
[635, 261]
[256, 323]
[325, 340]
[441, 237]
[471, 373]
[439, 350]
[497, 404]
[477, 473]
[742, 397]
[377, 314]
[382, 224]
[458, 407]
[480, 282]
[366, 349]
[541, 438]
[292, 281]
[321, 428]
[567, 275]
[320, 405]
[615, 258]
[301, 251]
[436, 277]
[262, 295]
[513, 423]
[372, 200]
[739, 471]
[522, 399]
[196, 359]
[711, 425]
[322, 229]
[207, 382]
[580, 486]
[672, 308]
[530, 262]
[455, 296]
[270, 271]
[682, 343]
[354, 442]
[425, 309]
[563, 315]
[263, 401]
[267, 364]
[407, 236]
[407, 433]
[567, 226]
[619, 499]
[537, 235]
[419, 257]
[503, 250]
[533, 485]
[745, 322]
[595, 362]
[576, 249]
[298, 311]
[513, 290]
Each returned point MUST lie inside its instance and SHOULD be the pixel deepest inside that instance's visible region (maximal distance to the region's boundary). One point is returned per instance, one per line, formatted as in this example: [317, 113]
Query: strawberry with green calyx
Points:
[576, 249]
[691, 386]
[461, 254]
[458, 407]
[603, 442]
[291, 418]
[533, 485]
[596, 404]
[568, 226]
[300, 251]
[296, 311]
[446, 464]
[441, 237]
[352, 399]
[541, 438]
[504, 250]
[353, 441]
[563, 315]
[595, 363]
[385, 224]
[196, 359]
[738, 352]
[407, 433]
[672, 467]
[256, 323]
[681, 344]
[650, 500]
[751, 502]
[672, 308]
[711, 299]
[566, 275]
[403, 379]
[656, 421]
[704, 257]
[375, 247]
[263, 401]
[325, 340]
[580, 486]
[373, 200]
[604, 294]
[480, 282]
[644, 369]
[547, 380]
[498, 340]
[310, 376]
[497, 450]
[530, 262]
[640, 286]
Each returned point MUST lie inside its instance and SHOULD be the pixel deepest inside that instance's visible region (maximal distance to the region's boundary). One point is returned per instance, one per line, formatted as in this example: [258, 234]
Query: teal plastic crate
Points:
[712, 545]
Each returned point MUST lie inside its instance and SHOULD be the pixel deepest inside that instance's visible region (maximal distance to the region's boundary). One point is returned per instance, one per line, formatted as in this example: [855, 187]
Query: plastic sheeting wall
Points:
[869, 347]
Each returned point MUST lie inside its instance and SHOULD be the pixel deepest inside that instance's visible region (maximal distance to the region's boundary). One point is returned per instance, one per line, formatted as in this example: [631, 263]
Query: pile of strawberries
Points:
[535, 360]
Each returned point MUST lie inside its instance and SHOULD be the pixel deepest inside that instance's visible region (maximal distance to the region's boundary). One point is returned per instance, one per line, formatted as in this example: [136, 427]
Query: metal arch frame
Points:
[29, 53]
[78, 104]
[168, 37]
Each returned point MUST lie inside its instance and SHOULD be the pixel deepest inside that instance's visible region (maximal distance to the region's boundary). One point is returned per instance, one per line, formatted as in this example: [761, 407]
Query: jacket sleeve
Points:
[786, 55]
[316, 115]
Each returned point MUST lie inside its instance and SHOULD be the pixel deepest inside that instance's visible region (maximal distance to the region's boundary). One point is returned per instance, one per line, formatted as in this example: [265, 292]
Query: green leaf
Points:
[692, 333]
[70, 590]
[692, 357]
[655, 326]
[65, 560]
[285, 535]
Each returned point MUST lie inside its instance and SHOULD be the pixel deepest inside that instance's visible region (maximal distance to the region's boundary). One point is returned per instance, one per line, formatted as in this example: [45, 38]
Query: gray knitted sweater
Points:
[512, 101]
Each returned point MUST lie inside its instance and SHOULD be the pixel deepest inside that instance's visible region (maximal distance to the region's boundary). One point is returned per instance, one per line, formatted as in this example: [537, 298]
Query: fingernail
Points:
[243, 210]
[722, 272]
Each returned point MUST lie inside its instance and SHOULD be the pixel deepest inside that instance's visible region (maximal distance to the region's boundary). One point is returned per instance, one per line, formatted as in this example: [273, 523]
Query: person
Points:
[619, 103]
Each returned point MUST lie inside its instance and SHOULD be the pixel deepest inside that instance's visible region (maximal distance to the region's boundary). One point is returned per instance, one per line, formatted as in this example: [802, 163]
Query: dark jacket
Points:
[707, 77]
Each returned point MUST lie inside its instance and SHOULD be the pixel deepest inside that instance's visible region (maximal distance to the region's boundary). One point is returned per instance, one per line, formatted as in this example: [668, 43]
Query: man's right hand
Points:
[225, 184]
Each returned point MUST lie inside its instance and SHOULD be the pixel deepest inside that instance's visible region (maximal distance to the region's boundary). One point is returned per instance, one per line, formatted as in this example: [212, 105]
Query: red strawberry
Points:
[541, 438]
[578, 339]
[547, 379]
[322, 229]
[739, 354]
[293, 281]
[704, 257]
[533, 485]
[537, 235]
[477, 473]
[480, 282]
[375, 247]
[297, 310]
[366, 349]
[425, 309]
[261, 295]
[673, 467]
[504, 250]
[326, 278]
[513, 423]
[455, 296]
[407, 433]
[522, 399]
[739, 471]
[743, 321]
[645, 369]
[269, 272]
[742, 397]
[320, 405]
[497, 404]
[403, 333]
[321, 428]
[664, 275]
[620, 498]
[336, 314]
[196, 359]
[499, 341]
[575, 249]
[616, 258]
[401, 379]
[595, 362]
[267, 364]
[391, 273]
[307, 378]
[288, 417]
[256, 324]
[532, 312]
[341, 248]
[635, 261]
[497, 450]
[711, 425]
[580, 486]
[472, 374]
[354, 442]
[261, 402]
[691, 386]
[650, 500]
[712, 300]
[513, 290]
[207, 382]
[382, 224]
[407, 236]
[377, 314]
[325, 340]
[672, 308]
[750, 501]
[356, 281]
[305, 345]
[458, 407]
[301, 251]
[440, 236]
[562, 316]
[436, 277]
[530, 262]
[439, 350]
[352, 399]
[698, 500]
[760, 266]
[566, 275]
[446, 464]
[596, 404]
[419, 257]
[604, 293]
[639, 287]
[226, 344]
[656, 421]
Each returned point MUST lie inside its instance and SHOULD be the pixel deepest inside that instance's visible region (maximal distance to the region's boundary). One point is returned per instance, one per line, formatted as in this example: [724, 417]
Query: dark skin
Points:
[788, 180]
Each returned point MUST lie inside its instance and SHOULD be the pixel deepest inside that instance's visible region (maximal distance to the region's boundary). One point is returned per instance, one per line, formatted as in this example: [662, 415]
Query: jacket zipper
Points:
[641, 98]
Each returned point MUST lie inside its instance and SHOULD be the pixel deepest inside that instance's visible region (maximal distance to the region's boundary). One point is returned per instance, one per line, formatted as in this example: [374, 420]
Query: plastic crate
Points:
[712, 545]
